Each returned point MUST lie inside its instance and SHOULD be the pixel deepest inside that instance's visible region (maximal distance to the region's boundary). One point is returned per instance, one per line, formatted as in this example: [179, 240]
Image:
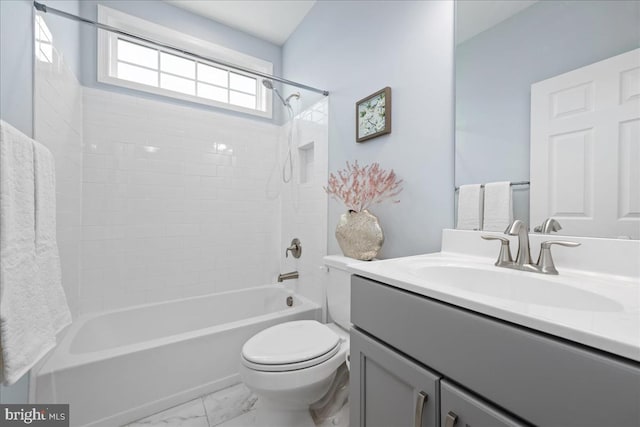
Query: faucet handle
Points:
[549, 225]
[295, 249]
[545, 260]
[504, 258]
[504, 240]
[548, 243]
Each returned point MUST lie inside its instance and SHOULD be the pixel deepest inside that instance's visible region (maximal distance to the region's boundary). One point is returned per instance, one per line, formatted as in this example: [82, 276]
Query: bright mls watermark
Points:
[34, 415]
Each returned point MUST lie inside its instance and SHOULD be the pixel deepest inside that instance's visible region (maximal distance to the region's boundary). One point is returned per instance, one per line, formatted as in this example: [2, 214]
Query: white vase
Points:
[359, 235]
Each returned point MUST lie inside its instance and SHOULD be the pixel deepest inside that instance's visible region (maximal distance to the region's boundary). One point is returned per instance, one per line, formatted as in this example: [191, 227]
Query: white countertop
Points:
[591, 308]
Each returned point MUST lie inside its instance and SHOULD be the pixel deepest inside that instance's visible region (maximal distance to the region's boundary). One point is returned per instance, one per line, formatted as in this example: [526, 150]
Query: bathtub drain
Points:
[289, 301]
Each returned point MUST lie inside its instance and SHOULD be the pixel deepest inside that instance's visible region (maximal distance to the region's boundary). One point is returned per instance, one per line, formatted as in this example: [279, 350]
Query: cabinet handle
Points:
[422, 399]
[451, 420]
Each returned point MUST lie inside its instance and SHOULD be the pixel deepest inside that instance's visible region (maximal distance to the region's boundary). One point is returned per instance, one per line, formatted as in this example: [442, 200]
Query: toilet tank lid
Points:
[340, 261]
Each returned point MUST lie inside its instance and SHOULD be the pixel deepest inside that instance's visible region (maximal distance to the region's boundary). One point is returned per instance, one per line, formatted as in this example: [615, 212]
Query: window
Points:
[130, 63]
[44, 41]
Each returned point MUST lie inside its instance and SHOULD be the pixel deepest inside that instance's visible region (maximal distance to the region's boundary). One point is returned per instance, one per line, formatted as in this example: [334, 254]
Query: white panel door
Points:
[585, 148]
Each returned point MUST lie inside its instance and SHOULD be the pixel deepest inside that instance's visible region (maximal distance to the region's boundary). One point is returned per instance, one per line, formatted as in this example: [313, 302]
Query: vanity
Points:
[449, 339]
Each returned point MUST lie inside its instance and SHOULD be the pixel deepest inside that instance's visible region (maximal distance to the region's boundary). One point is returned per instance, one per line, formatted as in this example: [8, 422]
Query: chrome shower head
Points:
[267, 83]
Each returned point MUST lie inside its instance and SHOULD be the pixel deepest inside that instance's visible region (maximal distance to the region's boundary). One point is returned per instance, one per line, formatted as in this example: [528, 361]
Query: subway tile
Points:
[99, 161]
[190, 194]
[58, 126]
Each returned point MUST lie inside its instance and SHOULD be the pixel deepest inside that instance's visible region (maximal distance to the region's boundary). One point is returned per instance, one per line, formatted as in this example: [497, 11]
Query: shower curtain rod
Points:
[46, 9]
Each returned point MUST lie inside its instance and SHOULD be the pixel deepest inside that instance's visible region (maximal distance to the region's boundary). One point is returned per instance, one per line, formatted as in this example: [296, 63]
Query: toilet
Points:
[292, 365]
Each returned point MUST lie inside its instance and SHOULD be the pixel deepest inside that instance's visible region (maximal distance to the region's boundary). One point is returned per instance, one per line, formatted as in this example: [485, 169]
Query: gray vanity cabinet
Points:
[494, 373]
[389, 390]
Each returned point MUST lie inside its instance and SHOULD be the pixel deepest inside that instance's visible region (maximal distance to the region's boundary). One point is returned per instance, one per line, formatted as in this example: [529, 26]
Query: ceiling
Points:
[476, 16]
[272, 20]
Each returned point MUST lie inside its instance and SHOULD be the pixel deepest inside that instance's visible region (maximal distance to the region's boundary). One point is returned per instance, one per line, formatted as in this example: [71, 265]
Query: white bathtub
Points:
[117, 366]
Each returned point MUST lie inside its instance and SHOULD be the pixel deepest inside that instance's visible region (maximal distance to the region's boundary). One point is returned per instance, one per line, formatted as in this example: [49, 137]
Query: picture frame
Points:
[373, 115]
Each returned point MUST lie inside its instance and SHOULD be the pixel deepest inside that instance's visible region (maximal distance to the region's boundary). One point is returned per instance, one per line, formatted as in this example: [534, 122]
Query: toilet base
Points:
[284, 396]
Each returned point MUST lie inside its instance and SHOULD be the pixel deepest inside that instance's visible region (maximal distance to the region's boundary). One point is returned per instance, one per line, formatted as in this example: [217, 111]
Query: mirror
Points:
[502, 49]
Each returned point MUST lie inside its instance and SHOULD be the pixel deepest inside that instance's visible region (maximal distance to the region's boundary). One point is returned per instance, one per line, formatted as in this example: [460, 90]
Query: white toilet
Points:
[291, 365]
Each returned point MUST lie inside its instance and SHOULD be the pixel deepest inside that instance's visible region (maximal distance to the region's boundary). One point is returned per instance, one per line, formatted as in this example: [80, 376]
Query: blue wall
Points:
[495, 70]
[354, 48]
[167, 15]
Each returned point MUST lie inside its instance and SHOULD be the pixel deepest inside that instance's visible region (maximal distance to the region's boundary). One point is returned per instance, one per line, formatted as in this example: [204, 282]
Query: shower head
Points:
[269, 85]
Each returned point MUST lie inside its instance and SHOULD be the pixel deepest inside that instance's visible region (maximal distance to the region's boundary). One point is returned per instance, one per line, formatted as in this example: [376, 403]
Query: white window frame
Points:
[107, 59]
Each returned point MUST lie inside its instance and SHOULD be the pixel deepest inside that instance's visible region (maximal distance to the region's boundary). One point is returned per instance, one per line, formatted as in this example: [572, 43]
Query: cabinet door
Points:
[546, 381]
[388, 389]
[460, 409]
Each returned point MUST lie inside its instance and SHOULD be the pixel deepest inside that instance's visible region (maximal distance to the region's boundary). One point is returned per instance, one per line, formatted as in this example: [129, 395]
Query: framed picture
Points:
[373, 115]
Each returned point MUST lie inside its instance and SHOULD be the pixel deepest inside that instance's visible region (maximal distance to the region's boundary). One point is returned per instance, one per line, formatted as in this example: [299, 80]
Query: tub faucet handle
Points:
[295, 249]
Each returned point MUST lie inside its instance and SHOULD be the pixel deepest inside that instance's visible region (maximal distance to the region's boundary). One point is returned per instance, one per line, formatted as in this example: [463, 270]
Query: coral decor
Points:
[360, 187]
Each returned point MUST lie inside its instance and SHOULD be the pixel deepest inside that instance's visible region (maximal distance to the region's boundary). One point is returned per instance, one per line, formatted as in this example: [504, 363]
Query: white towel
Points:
[498, 206]
[470, 207]
[47, 257]
[26, 329]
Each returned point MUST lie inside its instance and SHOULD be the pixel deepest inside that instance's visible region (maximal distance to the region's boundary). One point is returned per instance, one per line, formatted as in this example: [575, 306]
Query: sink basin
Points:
[594, 301]
[521, 287]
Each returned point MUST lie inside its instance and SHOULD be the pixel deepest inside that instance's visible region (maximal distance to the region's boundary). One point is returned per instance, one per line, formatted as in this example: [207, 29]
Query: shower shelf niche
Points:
[306, 156]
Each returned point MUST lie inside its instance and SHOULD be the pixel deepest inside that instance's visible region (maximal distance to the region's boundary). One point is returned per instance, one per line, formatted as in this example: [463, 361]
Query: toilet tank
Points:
[339, 289]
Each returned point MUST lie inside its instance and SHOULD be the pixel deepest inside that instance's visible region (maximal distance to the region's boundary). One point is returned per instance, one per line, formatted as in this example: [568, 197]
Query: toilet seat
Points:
[290, 346]
[292, 366]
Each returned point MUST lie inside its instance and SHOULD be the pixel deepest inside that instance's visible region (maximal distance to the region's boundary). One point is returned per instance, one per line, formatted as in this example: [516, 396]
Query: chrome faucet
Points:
[287, 276]
[523, 261]
[520, 229]
[548, 226]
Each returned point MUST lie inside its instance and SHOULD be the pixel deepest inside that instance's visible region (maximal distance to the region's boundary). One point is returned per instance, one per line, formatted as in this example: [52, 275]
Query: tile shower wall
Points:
[58, 125]
[175, 202]
[304, 202]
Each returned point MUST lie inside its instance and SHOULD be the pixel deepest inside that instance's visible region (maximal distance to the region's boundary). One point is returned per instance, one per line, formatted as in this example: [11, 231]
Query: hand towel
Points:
[498, 206]
[47, 256]
[26, 333]
[470, 207]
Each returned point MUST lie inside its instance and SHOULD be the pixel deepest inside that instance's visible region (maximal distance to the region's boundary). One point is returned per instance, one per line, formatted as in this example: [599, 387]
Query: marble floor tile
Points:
[190, 414]
[229, 403]
[341, 419]
[248, 419]
[234, 406]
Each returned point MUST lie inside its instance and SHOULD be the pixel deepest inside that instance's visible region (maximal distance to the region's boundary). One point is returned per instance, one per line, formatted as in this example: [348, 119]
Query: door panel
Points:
[388, 389]
[585, 148]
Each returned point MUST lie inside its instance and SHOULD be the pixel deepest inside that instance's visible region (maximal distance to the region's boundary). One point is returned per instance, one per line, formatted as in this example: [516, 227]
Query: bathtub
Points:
[117, 366]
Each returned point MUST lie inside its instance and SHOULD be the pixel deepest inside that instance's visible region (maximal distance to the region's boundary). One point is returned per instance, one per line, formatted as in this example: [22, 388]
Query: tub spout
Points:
[288, 276]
